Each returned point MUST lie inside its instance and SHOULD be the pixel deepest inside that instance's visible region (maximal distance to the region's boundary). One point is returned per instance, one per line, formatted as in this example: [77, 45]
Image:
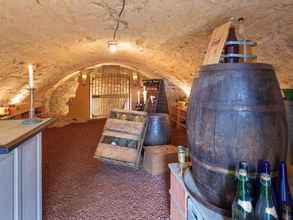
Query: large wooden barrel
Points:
[236, 113]
[158, 131]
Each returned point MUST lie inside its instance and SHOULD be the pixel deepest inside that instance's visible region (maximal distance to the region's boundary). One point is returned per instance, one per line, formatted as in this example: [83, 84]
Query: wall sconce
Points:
[83, 78]
[135, 77]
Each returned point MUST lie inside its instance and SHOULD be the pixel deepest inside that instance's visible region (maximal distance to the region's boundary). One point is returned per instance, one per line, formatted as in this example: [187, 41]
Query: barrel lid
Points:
[236, 66]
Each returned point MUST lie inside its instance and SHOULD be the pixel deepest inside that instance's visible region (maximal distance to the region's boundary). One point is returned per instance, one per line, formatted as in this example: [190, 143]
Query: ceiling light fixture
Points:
[113, 44]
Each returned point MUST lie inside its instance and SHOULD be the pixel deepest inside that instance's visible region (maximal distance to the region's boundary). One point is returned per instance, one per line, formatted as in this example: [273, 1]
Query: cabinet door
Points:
[6, 187]
[31, 178]
[194, 212]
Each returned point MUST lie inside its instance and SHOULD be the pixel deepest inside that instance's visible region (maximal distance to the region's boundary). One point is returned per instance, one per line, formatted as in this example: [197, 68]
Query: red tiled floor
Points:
[77, 186]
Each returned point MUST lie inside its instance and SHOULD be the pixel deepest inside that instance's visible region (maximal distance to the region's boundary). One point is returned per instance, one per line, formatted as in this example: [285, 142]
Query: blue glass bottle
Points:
[284, 196]
[264, 167]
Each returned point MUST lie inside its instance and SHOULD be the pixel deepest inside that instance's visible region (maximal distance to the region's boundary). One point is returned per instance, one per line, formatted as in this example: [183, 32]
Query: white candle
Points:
[138, 97]
[152, 98]
[31, 76]
[144, 95]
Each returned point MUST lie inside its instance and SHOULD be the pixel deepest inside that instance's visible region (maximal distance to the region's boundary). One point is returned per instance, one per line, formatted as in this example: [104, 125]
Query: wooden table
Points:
[21, 169]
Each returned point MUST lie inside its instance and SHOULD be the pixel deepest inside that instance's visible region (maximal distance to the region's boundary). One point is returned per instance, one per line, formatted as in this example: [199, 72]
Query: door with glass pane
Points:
[110, 89]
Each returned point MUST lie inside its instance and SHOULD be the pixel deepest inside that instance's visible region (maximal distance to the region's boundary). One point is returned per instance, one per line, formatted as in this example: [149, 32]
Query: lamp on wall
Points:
[83, 78]
[135, 77]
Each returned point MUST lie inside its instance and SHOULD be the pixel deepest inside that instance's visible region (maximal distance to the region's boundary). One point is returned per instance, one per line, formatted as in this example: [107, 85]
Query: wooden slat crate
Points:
[123, 137]
[130, 127]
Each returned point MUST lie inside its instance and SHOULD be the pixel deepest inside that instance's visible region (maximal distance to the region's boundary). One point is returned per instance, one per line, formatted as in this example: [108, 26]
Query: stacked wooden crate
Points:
[123, 137]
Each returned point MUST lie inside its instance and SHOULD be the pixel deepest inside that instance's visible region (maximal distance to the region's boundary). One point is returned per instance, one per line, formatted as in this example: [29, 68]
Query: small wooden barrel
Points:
[158, 132]
[236, 113]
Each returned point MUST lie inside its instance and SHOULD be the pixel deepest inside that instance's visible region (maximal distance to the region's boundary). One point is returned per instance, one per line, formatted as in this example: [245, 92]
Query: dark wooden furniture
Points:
[156, 88]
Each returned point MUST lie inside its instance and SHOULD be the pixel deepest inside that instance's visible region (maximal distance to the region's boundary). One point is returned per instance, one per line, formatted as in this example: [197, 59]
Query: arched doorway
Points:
[112, 86]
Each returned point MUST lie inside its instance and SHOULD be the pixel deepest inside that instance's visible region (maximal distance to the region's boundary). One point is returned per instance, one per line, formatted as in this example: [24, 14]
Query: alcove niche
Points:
[93, 91]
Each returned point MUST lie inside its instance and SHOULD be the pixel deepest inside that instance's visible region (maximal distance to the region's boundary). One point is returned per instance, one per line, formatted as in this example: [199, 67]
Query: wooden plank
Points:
[216, 45]
[130, 127]
[129, 111]
[121, 135]
[116, 153]
[138, 160]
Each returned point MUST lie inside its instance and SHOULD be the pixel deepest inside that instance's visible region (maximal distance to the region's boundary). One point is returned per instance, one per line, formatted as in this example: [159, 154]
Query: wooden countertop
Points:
[13, 132]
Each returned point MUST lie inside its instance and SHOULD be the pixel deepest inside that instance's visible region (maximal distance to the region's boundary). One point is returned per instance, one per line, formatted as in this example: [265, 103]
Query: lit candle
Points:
[138, 97]
[144, 95]
[31, 76]
[152, 98]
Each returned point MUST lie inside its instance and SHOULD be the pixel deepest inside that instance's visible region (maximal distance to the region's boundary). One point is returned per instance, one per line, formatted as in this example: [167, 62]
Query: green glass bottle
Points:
[250, 189]
[265, 207]
[242, 208]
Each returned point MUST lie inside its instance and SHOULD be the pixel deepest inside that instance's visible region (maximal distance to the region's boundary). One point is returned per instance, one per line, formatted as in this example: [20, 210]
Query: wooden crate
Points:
[123, 137]
[157, 158]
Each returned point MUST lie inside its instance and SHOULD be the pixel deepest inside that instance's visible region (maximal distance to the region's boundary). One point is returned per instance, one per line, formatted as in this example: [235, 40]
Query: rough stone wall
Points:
[167, 37]
[60, 97]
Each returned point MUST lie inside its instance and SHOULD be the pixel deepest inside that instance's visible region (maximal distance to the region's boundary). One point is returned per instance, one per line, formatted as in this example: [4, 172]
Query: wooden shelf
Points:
[110, 96]
[180, 116]
[23, 113]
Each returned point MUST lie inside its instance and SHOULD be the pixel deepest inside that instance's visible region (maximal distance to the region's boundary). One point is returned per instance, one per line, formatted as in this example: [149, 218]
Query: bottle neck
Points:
[265, 190]
[283, 185]
[242, 188]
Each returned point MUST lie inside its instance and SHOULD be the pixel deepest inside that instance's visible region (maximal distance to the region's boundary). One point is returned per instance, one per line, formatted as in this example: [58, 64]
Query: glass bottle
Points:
[263, 168]
[266, 167]
[242, 208]
[284, 196]
[265, 207]
[250, 188]
[231, 48]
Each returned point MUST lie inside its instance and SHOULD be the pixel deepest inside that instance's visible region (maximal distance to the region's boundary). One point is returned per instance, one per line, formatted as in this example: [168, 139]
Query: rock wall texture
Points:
[58, 101]
[166, 38]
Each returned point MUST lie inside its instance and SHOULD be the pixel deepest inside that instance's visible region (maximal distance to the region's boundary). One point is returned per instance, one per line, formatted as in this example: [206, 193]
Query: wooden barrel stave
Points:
[236, 113]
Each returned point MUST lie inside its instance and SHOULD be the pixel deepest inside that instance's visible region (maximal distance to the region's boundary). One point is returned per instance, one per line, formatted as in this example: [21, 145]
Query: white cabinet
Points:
[21, 181]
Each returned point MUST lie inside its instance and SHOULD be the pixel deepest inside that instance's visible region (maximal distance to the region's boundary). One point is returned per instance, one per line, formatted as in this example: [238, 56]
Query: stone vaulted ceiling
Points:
[166, 38]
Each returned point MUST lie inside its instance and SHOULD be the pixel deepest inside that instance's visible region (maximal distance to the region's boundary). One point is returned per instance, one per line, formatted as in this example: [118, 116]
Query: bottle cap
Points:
[243, 165]
[242, 172]
[265, 167]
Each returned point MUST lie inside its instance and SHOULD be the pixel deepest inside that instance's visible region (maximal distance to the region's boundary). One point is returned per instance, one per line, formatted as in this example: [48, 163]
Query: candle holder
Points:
[139, 107]
[32, 119]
